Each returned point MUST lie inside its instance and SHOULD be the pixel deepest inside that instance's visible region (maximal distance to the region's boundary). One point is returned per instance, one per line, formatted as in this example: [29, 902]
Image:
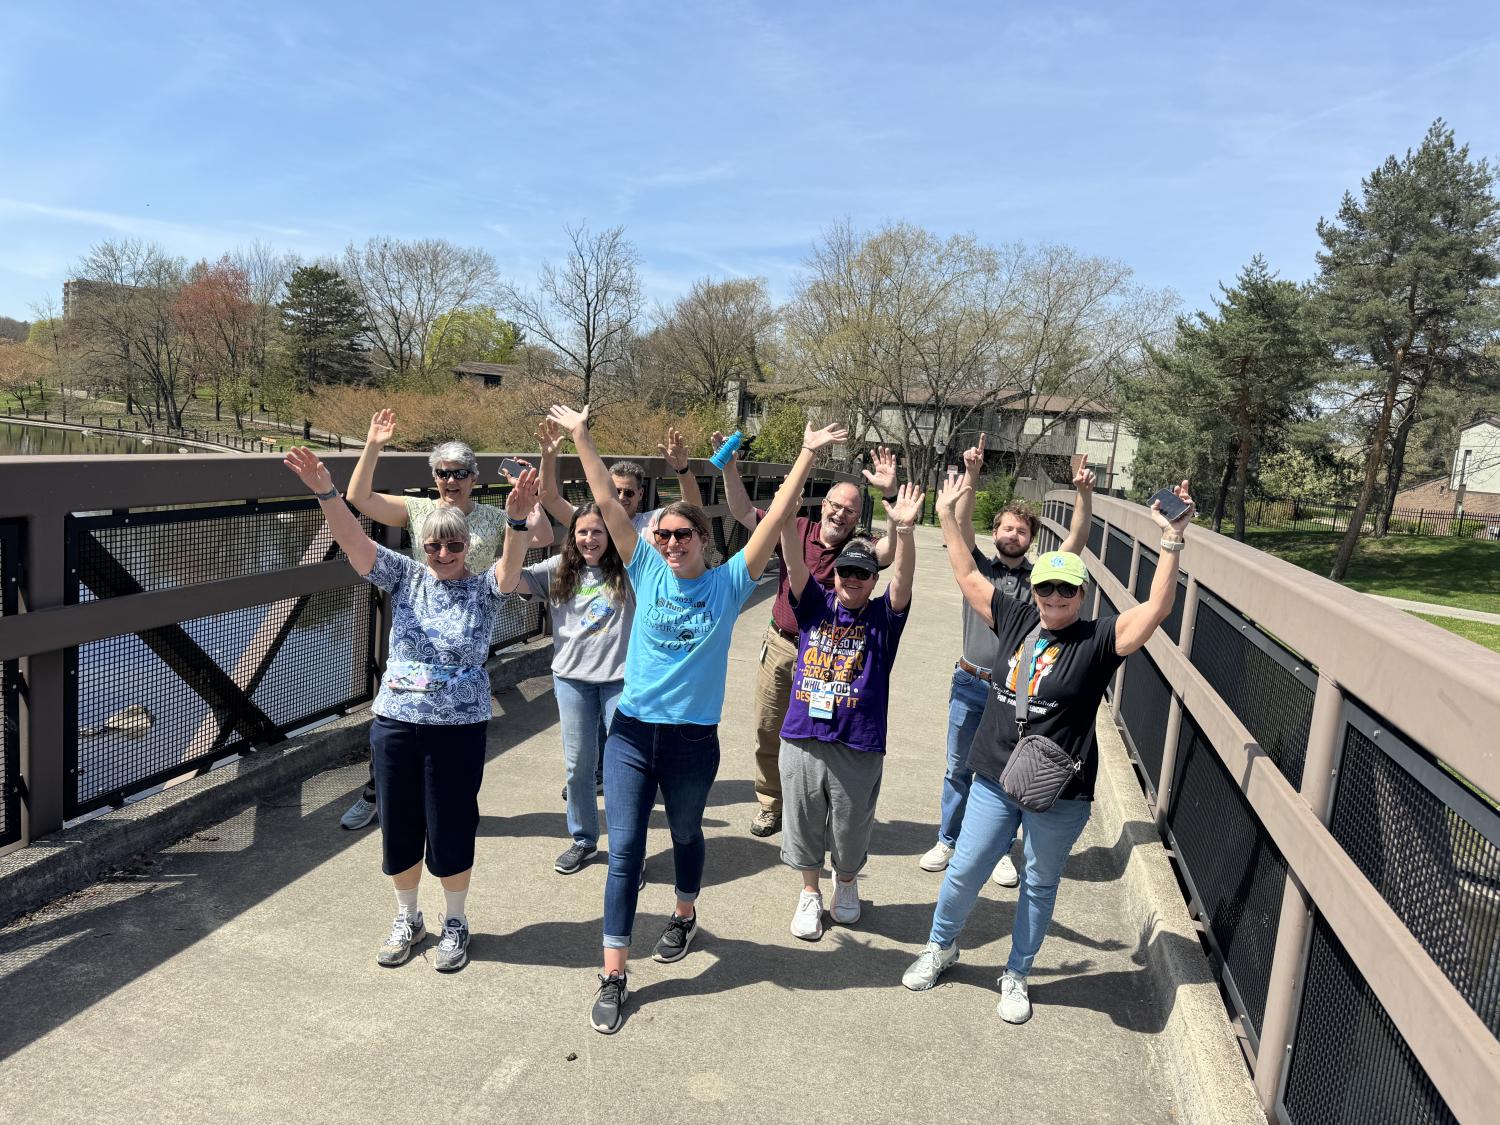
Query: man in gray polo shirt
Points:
[1013, 529]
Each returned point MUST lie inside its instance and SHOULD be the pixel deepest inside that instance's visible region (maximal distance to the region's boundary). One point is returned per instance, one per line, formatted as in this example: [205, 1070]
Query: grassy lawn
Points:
[1445, 571]
[1480, 632]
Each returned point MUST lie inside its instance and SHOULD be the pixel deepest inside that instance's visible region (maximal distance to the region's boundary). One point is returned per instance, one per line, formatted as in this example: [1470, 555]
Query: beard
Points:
[1008, 551]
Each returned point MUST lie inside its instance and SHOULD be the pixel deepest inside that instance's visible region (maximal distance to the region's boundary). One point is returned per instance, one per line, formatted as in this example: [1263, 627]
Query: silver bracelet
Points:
[1171, 546]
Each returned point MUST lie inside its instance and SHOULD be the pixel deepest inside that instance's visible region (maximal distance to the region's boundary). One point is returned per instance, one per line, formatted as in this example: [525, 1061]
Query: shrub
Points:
[994, 493]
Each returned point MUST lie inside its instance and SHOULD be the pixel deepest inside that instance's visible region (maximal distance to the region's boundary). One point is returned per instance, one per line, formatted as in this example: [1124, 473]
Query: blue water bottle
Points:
[726, 451]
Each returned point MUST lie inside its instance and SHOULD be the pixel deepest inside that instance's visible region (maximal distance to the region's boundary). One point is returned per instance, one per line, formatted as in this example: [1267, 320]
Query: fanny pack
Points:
[413, 675]
[1039, 769]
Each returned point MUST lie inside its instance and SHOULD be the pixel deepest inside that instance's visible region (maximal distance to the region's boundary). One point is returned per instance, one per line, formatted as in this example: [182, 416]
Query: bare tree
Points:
[585, 311]
[267, 271]
[710, 337]
[407, 288]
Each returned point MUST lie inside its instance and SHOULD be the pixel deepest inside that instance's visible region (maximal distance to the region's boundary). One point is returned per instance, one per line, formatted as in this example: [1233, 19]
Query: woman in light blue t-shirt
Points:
[665, 734]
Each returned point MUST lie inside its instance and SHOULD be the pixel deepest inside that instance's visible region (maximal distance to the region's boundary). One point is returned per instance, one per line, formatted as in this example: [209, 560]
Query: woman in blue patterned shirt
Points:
[427, 740]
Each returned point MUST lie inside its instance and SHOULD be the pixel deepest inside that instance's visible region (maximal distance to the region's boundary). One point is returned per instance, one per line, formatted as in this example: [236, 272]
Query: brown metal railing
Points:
[1324, 773]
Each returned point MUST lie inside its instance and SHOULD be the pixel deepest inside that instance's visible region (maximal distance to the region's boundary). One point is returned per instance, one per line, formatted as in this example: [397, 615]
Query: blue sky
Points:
[1180, 139]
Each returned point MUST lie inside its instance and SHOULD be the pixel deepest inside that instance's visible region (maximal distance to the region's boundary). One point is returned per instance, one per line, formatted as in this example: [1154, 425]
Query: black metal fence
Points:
[1313, 515]
[10, 737]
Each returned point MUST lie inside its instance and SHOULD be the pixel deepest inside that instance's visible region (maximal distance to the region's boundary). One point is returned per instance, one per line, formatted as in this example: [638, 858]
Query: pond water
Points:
[43, 441]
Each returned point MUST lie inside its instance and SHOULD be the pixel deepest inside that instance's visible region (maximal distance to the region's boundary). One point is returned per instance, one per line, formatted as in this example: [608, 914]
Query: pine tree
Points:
[325, 329]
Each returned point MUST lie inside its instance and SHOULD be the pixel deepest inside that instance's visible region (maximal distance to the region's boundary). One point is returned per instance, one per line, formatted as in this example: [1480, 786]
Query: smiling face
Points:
[853, 587]
[1058, 609]
[629, 493]
[1012, 537]
[684, 553]
[453, 492]
[840, 514]
[443, 560]
[590, 537]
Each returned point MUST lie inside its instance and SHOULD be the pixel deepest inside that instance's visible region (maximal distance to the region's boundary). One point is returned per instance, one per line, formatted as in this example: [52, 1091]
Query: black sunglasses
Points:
[667, 534]
[858, 572]
[453, 474]
[455, 547]
[1061, 589]
[625, 493]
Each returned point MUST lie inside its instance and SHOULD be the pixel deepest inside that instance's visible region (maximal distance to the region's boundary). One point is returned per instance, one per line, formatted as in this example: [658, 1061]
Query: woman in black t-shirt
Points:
[1067, 671]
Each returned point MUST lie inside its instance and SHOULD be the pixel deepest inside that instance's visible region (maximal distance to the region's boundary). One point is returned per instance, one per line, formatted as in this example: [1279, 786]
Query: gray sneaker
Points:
[574, 858]
[453, 947]
[1015, 1005]
[609, 1003]
[929, 965]
[358, 815]
[675, 939]
[406, 931]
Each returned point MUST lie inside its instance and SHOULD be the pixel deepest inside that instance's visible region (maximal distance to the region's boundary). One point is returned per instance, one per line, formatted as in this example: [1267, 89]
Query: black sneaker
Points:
[676, 938]
[609, 1003]
[574, 858]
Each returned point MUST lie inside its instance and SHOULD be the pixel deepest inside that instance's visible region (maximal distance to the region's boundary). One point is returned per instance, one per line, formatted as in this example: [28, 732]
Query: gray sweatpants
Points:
[828, 795]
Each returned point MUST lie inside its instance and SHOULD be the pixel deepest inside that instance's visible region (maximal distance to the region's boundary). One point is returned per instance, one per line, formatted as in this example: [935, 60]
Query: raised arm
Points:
[1083, 511]
[763, 538]
[518, 506]
[389, 510]
[549, 436]
[621, 530]
[351, 538]
[964, 510]
[741, 507]
[883, 476]
[675, 453]
[1134, 627]
[976, 588]
[792, 558]
[902, 518]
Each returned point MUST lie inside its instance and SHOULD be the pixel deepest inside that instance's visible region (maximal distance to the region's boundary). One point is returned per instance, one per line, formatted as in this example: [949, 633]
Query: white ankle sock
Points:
[453, 907]
[406, 901]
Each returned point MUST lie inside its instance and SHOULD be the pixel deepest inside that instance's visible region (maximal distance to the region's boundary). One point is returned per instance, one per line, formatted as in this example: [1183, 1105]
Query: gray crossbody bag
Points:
[1039, 769]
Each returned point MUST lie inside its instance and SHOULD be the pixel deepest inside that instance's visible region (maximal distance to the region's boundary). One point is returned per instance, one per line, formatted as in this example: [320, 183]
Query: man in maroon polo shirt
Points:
[821, 540]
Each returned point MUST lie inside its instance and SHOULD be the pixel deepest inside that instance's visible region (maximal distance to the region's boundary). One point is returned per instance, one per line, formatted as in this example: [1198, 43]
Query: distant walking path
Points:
[1439, 610]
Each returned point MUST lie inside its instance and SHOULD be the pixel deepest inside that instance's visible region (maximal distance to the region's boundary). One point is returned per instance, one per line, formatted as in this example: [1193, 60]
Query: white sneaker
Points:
[807, 923]
[936, 857]
[1014, 1006]
[845, 901]
[1005, 872]
[929, 965]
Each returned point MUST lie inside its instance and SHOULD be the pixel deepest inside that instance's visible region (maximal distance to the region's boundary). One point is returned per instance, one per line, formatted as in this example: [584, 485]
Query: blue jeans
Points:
[682, 760]
[584, 710]
[989, 827]
[966, 699]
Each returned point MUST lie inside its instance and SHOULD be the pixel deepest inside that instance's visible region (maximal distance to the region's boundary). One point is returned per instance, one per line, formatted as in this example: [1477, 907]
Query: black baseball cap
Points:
[857, 554]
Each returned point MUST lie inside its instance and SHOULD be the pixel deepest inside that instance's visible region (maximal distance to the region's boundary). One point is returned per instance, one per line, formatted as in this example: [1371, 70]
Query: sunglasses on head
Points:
[856, 572]
[667, 534]
[455, 547]
[1061, 589]
[453, 474]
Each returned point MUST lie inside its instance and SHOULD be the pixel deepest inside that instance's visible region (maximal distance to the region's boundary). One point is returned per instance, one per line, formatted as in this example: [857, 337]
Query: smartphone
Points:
[513, 467]
[1171, 506]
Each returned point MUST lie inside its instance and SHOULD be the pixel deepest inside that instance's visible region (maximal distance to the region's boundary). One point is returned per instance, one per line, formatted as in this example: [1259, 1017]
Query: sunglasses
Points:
[1061, 589]
[454, 546]
[667, 534]
[625, 493]
[855, 572]
[453, 474]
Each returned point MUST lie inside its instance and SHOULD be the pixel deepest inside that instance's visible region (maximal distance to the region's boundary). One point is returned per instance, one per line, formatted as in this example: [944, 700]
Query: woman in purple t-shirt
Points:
[833, 739]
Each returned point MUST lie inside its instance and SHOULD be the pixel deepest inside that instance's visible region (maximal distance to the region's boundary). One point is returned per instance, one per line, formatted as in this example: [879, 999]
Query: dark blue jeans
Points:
[681, 759]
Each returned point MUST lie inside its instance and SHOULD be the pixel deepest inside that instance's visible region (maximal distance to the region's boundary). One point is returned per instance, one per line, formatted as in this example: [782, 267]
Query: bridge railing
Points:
[1323, 768]
[164, 613]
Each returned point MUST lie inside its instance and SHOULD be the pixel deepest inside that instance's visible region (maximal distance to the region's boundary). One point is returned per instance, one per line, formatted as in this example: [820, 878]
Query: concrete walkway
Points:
[233, 977]
[1435, 610]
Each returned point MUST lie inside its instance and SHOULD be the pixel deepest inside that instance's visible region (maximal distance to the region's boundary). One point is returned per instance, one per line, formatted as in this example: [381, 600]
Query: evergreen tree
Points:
[325, 329]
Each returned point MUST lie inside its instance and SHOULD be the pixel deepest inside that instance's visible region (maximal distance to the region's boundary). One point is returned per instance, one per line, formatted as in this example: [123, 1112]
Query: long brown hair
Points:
[569, 574]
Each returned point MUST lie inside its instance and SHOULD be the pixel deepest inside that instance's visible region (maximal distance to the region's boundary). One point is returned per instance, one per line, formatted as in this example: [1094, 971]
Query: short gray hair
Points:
[629, 469]
[453, 451]
[445, 522]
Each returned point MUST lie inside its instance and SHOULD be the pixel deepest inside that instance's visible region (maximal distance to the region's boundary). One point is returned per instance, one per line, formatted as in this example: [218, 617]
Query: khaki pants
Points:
[773, 691]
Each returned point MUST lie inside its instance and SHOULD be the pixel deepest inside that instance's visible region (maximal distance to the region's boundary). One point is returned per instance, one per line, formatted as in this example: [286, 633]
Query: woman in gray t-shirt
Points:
[591, 602]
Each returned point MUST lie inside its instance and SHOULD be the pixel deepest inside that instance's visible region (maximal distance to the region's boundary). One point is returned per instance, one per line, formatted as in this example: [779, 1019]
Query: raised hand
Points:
[828, 435]
[717, 439]
[523, 493]
[953, 490]
[882, 471]
[549, 437]
[506, 473]
[1179, 525]
[382, 428]
[575, 422]
[674, 450]
[311, 471]
[974, 457]
[908, 506]
[1083, 480]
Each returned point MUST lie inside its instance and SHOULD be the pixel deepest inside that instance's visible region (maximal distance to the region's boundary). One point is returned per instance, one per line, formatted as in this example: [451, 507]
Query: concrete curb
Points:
[74, 858]
[1197, 1043]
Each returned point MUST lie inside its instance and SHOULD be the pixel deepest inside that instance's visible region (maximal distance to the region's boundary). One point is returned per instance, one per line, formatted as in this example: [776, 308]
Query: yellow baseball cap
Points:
[1060, 566]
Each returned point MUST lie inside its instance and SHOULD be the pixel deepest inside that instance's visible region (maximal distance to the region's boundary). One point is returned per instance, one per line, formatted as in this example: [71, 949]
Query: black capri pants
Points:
[427, 790]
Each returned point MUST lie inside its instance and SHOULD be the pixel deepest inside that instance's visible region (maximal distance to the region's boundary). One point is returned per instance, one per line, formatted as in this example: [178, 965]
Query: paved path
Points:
[1439, 610]
[233, 978]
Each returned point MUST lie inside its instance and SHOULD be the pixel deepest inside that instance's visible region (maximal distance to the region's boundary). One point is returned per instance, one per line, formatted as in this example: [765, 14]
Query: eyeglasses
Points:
[667, 534]
[454, 547]
[858, 573]
[838, 509]
[1061, 589]
[453, 474]
[625, 493]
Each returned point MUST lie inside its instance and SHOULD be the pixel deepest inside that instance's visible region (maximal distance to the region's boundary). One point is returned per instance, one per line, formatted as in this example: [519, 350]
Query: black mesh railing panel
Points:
[10, 736]
[1145, 571]
[1349, 1064]
[1145, 574]
[1236, 872]
[1047, 540]
[1259, 686]
[517, 619]
[1433, 856]
[1065, 513]
[141, 721]
[1144, 702]
[1117, 559]
[1096, 537]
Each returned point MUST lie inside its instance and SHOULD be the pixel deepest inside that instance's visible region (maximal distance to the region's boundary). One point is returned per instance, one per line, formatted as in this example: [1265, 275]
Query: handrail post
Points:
[1114, 691]
[44, 675]
[1174, 710]
[1288, 960]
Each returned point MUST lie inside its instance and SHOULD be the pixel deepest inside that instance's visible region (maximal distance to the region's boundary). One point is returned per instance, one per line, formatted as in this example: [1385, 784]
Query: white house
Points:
[1476, 464]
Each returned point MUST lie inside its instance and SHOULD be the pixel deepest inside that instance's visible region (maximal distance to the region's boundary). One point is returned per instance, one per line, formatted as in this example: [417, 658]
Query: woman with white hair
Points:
[427, 740]
[455, 470]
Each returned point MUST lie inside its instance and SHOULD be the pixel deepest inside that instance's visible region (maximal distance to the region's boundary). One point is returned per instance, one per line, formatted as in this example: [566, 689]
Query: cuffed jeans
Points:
[585, 710]
[989, 826]
[682, 760]
[966, 700]
[773, 692]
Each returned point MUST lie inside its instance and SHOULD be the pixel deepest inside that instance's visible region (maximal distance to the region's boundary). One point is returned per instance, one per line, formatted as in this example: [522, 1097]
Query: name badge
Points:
[820, 704]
